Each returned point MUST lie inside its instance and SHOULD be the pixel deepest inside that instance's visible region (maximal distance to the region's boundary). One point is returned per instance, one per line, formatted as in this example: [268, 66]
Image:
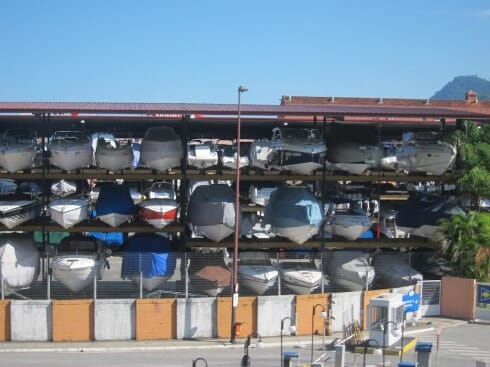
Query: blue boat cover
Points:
[110, 239]
[114, 198]
[292, 206]
[150, 254]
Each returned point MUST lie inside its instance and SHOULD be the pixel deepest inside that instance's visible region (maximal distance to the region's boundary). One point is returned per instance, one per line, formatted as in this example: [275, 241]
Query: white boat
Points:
[68, 212]
[76, 272]
[158, 212]
[78, 263]
[202, 153]
[354, 158]
[418, 153]
[18, 148]
[299, 277]
[229, 153]
[211, 211]
[15, 212]
[388, 226]
[114, 155]
[70, 150]
[256, 272]
[161, 149]
[346, 218]
[19, 261]
[63, 188]
[348, 270]
[294, 213]
[299, 150]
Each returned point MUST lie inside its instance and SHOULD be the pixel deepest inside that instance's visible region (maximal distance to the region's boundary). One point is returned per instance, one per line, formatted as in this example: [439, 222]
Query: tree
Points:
[467, 244]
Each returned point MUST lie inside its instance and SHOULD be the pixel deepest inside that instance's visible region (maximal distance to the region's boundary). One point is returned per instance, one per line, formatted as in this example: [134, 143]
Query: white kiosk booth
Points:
[385, 318]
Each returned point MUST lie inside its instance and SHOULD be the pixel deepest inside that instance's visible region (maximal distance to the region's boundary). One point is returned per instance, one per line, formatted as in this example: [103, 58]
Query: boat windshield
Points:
[309, 135]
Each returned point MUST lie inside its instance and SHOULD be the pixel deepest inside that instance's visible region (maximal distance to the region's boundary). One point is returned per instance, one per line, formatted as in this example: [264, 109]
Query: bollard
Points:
[423, 350]
[287, 358]
[339, 355]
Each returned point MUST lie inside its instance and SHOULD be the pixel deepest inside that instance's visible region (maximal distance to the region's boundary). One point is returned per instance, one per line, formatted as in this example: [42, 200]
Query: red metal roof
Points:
[328, 110]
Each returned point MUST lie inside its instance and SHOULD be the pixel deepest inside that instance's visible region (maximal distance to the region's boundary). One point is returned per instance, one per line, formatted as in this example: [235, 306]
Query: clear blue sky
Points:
[201, 51]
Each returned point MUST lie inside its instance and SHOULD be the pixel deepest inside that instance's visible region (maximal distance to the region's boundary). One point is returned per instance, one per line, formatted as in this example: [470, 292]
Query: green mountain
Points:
[457, 88]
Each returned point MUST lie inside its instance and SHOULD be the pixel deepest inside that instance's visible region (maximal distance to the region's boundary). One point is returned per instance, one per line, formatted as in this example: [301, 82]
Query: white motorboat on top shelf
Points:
[15, 211]
[69, 211]
[114, 204]
[300, 277]
[78, 263]
[149, 260]
[202, 153]
[114, 155]
[354, 158]
[299, 150]
[418, 153]
[161, 149]
[209, 273]
[393, 270]
[256, 272]
[349, 270]
[294, 213]
[346, 218]
[70, 150]
[63, 188]
[211, 211]
[161, 207]
[19, 261]
[229, 153]
[420, 214]
[18, 149]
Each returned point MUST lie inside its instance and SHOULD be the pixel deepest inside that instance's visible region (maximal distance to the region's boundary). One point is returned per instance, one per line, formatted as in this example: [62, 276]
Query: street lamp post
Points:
[246, 358]
[292, 329]
[367, 344]
[323, 315]
[384, 327]
[234, 303]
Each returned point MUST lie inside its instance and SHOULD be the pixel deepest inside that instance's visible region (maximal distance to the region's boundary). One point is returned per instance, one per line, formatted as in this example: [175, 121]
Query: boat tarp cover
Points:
[289, 207]
[426, 209]
[212, 204]
[110, 239]
[19, 261]
[150, 254]
[114, 199]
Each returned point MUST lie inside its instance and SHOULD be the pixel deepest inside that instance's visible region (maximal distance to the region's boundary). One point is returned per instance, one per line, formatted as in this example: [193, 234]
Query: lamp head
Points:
[260, 343]
[242, 88]
[292, 329]
[323, 314]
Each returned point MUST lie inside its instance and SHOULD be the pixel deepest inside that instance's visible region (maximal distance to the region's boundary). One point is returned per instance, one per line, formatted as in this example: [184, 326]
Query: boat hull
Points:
[68, 212]
[14, 213]
[298, 234]
[114, 159]
[71, 158]
[76, 272]
[158, 212]
[258, 278]
[300, 281]
[18, 159]
[161, 149]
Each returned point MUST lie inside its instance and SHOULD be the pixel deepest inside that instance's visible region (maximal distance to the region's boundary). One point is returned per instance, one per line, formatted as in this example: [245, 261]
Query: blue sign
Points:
[483, 294]
[411, 301]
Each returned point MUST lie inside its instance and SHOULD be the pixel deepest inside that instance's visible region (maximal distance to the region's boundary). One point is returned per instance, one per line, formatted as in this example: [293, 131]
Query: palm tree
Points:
[467, 244]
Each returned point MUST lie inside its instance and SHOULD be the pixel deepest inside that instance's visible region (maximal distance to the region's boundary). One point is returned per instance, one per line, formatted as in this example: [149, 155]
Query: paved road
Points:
[462, 344]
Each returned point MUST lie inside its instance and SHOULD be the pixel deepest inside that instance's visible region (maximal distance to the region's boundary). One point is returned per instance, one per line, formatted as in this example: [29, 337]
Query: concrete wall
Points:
[31, 320]
[346, 309]
[114, 319]
[196, 318]
[458, 297]
[271, 310]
